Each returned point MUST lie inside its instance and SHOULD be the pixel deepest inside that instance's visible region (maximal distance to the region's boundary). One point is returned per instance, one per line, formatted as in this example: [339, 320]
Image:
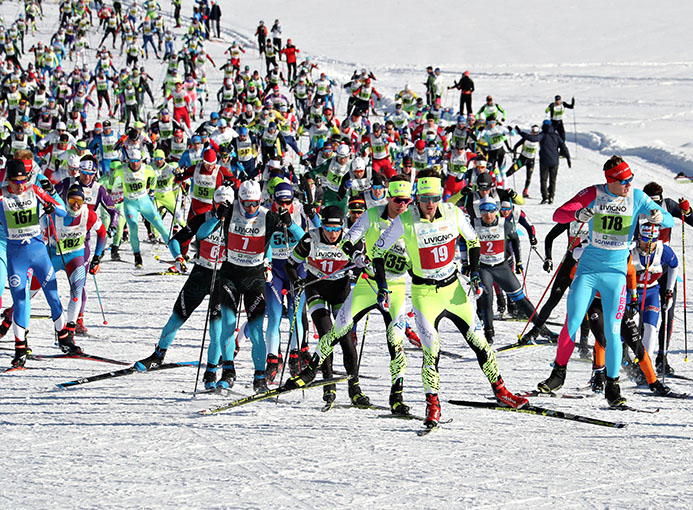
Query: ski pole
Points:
[526, 270]
[685, 315]
[98, 295]
[297, 304]
[173, 220]
[62, 257]
[570, 247]
[209, 312]
[575, 131]
[538, 254]
[644, 289]
[363, 342]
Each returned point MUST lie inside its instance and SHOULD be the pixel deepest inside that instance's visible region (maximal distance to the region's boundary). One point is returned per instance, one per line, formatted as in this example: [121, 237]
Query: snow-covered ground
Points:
[138, 442]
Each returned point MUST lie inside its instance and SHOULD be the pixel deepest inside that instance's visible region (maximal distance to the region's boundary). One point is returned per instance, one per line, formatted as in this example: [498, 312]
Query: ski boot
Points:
[260, 382]
[306, 376]
[489, 333]
[612, 392]
[294, 362]
[513, 312]
[598, 379]
[530, 336]
[114, 253]
[639, 378]
[555, 380]
[20, 356]
[66, 339]
[413, 337]
[80, 330]
[663, 365]
[503, 396]
[305, 355]
[6, 322]
[548, 334]
[329, 393]
[525, 193]
[228, 376]
[138, 260]
[155, 360]
[584, 350]
[397, 405]
[358, 398]
[432, 410]
[272, 367]
[659, 388]
[210, 377]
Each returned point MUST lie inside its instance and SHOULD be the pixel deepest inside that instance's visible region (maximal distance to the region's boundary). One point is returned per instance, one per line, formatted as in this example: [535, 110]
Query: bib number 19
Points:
[440, 254]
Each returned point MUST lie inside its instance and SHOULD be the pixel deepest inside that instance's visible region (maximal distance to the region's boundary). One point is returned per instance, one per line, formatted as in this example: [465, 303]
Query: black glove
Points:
[222, 210]
[95, 264]
[310, 212]
[48, 207]
[298, 284]
[519, 268]
[631, 309]
[570, 165]
[548, 265]
[47, 186]
[285, 216]
[383, 297]
[517, 129]
[467, 190]
[533, 241]
[475, 281]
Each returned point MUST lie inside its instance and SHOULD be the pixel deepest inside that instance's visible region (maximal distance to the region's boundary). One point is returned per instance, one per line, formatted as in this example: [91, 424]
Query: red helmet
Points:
[368, 81]
[210, 156]
[288, 41]
[420, 144]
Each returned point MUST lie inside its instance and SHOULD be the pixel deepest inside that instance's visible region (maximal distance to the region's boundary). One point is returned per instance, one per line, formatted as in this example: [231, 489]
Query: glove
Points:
[656, 217]
[383, 298]
[570, 164]
[222, 210]
[298, 285]
[585, 214]
[668, 300]
[533, 241]
[512, 193]
[286, 218]
[685, 206]
[48, 207]
[360, 259]
[47, 186]
[477, 286]
[631, 309]
[467, 190]
[348, 184]
[180, 264]
[112, 230]
[95, 264]
[309, 211]
[548, 265]
[268, 273]
[519, 269]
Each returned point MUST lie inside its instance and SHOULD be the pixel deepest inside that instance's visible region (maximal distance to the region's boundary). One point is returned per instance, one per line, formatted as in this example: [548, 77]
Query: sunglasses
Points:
[19, 181]
[489, 211]
[332, 229]
[377, 187]
[401, 200]
[135, 160]
[626, 182]
[75, 200]
[283, 202]
[87, 172]
[158, 159]
[250, 203]
[428, 199]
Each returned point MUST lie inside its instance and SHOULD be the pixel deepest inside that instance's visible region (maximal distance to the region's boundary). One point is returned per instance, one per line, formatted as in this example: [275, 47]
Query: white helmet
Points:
[134, 153]
[250, 190]
[73, 161]
[224, 194]
[358, 164]
[60, 125]
[343, 150]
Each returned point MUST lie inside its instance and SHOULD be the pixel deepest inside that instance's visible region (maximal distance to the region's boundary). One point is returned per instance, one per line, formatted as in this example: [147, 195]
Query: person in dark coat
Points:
[215, 16]
[550, 148]
[466, 86]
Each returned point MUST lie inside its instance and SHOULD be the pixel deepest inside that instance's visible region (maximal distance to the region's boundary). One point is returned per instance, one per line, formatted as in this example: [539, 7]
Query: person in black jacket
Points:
[466, 86]
[215, 16]
[551, 146]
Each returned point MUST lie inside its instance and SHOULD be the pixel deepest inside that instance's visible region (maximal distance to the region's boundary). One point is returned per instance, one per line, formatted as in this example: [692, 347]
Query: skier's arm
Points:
[566, 212]
[557, 230]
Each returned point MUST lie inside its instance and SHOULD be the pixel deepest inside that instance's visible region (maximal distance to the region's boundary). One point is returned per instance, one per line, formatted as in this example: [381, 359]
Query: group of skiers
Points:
[292, 210]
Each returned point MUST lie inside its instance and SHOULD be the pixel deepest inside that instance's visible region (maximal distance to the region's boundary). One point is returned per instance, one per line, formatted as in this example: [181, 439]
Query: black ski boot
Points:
[20, 356]
[489, 333]
[114, 253]
[548, 334]
[659, 388]
[6, 322]
[138, 260]
[260, 382]
[663, 365]
[294, 362]
[329, 393]
[271, 368]
[555, 380]
[612, 392]
[598, 379]
[397, 405]
[156, 359]
[305, 355]
[530, 336]
[306, 376]
[228, 376]
[66, 339]
[358, 398]
[210, 377]
[584, 350]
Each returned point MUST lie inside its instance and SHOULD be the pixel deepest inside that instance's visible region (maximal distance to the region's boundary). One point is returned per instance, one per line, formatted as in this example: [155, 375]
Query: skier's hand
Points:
[519, 268]
[95, 264]
[112, 230]
[685, 206]
[383, 297]
[533, 241]
[548, 265]
[655, 217]
[632, 309]
[668, 300]
[360, 259]
[570, 164]
[585, 214]
[286, 218]
[477, 286]
[48, 207]
[298, 285]
[47, 186]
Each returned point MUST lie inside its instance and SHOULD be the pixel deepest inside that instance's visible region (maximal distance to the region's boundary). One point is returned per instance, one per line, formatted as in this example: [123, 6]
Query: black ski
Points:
[432, 428]
[677, 376]
[626, 407]
[521, 344]
[161, 273]
[516, 319]
[271, 393]
[327, 407]
[122, 372]
[361, 376]
[83, 356]
[671, 394]
[449, 354]
[537, 393]
[540, 411]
